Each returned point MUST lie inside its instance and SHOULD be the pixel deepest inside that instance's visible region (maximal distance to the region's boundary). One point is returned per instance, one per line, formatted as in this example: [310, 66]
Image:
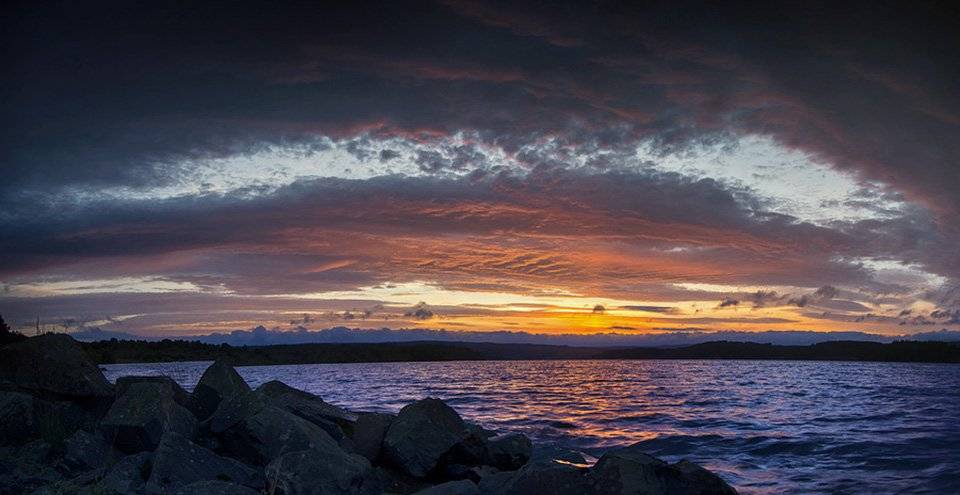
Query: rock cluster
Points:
[65, 429]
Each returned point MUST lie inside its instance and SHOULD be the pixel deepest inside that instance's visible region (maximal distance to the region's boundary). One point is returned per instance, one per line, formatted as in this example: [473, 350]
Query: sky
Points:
[181, 169]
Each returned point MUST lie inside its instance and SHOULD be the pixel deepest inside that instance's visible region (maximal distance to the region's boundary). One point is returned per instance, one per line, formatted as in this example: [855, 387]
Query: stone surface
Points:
[421, 435]
[18, 419]
[540, 476]
[140, 417]
[180, 396]
[322, 471]
[179, 462]
[305, 404]
[461, 487]
[368, 433]
[128, 475]
[53, 364]
[220, 381]
[27, 467]
[84, 450]
[215, 488]
[629, 470]
[508, 451]
[268, 432]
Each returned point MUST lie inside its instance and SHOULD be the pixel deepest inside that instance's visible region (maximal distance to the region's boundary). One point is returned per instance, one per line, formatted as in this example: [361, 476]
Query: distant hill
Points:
[261, 336]
[116, 351]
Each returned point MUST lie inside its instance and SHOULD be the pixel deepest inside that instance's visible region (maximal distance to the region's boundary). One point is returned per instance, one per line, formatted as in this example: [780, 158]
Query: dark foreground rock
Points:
[628, 470]
[421, 434]
[220, 381]
[53, 364]
[178, 462]
[64, 430]
[140, 417]
[322, 471]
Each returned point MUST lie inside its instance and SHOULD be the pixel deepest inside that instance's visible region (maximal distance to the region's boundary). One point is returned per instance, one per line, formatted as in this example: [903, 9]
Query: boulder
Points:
[508, 451]
[215, 488]
[304, 404]
[128, 475]
[18, 419]
[178, 462]
[555, 478]
[28, 467]
[368, 433]
[250, 429]
[53, 364]
[220, 381]
[461, 487]
[326, 470]
[421, 435]
[140, 417]
[180, 396]
[628, 470]
[86, 451]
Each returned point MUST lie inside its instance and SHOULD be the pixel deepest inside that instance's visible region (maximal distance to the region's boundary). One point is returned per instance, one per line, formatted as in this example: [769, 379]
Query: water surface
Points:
[765, 426]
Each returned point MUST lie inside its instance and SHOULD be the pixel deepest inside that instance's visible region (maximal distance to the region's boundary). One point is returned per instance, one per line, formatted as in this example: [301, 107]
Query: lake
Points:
[764, 426]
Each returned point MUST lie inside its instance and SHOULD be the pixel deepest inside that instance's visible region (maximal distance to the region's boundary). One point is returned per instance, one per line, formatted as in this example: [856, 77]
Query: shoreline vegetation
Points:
[129, 351]
[66, 429]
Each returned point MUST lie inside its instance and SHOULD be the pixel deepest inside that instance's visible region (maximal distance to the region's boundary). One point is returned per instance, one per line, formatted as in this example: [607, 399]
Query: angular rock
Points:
[220, 381]
[368, 433]
[508, 451]
[18, 419]
[551, 477]
[628, 470]
[53, 364]
[86, 451]
[128, 475]
[322, 471]
[179, 462]
[421, 435]
[250, 429]
[215, 488]
[304, 404]
[180, 396]
[462, 487]
[140, 417]
[27, 468]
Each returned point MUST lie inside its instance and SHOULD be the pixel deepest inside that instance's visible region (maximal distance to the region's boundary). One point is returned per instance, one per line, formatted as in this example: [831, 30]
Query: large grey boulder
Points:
[180, 396]
[628, 470]
[53, 364]
[461, 487]
[304, 404]
[508, 451]
[18, 417]
[128, 475]
[215, 488]
[28, 467]
[179, 462]
[140, 417]
[541, 476]
[86, 451]
[421, 435]
[324, 470]
[307, 406]
[219, 382]
[251, 429]
[368, 433]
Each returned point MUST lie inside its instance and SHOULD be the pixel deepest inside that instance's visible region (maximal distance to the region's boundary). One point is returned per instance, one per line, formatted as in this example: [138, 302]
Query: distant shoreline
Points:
[124, 352]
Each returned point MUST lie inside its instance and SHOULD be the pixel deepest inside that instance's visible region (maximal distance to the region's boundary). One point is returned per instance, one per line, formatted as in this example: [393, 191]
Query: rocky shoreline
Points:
[64, 429]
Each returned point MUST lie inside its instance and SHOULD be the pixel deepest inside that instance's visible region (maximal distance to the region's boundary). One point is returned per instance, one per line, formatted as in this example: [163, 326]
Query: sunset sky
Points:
[541, 167]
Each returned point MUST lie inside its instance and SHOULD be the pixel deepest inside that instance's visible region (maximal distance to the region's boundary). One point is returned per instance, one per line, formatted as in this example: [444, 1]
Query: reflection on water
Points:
[765, 426]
